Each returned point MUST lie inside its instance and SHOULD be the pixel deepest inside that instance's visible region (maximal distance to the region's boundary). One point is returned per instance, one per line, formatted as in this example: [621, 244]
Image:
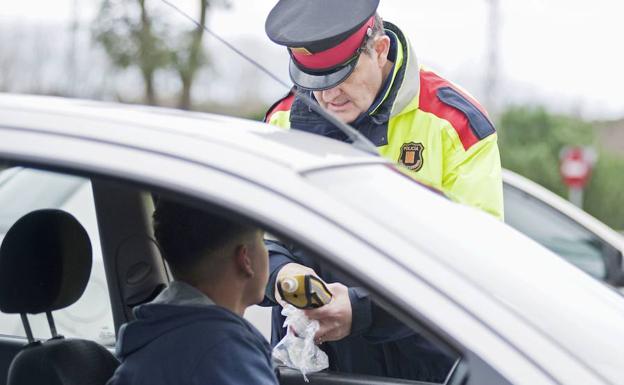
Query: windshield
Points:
[521, 275]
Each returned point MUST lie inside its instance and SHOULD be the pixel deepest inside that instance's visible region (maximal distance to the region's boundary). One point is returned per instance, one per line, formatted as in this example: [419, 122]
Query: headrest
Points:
[45, 263]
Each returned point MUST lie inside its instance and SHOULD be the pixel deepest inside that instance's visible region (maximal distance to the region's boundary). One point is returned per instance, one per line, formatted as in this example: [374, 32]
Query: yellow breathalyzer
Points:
[304, 291]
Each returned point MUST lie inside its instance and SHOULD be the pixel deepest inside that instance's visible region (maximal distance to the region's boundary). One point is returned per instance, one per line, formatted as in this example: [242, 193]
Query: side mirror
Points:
[614, 266]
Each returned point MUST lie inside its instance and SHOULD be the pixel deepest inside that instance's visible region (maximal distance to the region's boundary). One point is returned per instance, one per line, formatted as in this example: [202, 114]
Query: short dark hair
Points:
[186, 234]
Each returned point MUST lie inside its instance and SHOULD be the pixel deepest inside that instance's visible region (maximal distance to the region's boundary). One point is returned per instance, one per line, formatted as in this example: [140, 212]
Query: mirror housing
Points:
[614, 266]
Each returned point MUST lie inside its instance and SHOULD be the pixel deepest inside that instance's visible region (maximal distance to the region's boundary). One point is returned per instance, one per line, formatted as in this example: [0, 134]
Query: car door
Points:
[114, 198]
[103, 207]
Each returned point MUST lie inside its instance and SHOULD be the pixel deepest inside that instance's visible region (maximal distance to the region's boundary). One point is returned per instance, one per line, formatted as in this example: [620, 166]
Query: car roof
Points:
[131, 124]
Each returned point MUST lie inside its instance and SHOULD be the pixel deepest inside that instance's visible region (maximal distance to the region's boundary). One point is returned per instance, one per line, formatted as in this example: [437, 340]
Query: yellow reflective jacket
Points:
[425, 123]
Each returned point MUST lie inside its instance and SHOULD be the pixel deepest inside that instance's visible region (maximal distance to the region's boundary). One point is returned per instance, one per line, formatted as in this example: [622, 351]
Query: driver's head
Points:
[204, 249]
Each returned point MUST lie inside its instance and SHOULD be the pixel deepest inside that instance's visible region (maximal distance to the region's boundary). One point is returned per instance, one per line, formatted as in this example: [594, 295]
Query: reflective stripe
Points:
[395, 70]
[280, 119]
[283, 104]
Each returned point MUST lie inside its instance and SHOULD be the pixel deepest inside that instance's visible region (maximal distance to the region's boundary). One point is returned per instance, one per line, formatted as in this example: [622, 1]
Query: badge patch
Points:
[411, 155]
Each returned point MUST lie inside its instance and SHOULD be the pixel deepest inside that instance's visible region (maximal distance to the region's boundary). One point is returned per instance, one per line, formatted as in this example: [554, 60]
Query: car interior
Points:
[133, 271]
[45, 263]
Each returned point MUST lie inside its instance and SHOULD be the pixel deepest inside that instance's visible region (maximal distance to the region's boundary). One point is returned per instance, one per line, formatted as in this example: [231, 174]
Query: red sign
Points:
[576, 166]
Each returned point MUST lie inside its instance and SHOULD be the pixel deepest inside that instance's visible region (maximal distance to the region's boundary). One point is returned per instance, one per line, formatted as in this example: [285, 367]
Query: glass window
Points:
[23, 190]
[555, 230]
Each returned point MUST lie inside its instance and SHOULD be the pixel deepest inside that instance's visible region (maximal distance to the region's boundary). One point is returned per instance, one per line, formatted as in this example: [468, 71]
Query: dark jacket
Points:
[173, 344]
[378, 345]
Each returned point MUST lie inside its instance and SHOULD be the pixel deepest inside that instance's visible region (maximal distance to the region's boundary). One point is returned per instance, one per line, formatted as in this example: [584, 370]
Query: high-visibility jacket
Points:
[426, 123]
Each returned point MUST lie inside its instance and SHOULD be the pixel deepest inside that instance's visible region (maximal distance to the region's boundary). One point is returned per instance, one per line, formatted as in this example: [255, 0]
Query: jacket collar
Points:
[408, 87]
[183, 294]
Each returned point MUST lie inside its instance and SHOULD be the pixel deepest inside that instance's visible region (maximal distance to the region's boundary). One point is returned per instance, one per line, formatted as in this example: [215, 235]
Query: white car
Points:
[538, 213]
[512, 311]
[564, 228]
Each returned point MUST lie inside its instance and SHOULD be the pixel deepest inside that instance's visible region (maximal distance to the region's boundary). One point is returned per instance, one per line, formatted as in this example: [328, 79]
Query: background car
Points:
[564, 228]
[509, 309]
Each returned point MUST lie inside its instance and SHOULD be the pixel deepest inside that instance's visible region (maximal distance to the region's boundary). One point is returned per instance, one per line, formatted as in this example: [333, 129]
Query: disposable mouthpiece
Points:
[289, 285]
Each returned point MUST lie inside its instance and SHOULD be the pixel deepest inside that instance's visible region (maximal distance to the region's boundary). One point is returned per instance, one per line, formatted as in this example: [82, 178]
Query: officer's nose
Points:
[331, 94]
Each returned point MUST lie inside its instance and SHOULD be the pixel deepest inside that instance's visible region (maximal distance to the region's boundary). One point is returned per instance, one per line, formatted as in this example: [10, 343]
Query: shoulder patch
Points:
[440, 98]
[479, 123]
[283, 104]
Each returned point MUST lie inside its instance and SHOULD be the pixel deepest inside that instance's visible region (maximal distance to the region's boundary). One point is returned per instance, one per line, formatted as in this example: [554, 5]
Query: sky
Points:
[560, 52]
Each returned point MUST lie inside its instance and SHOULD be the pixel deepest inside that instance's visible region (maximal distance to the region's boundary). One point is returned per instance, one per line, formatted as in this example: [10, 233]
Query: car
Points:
[564, 228]
[533, 210]
[510, 310]
[538, 213]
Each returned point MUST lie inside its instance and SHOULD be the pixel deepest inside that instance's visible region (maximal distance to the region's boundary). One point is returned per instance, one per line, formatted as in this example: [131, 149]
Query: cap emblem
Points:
[301, 51]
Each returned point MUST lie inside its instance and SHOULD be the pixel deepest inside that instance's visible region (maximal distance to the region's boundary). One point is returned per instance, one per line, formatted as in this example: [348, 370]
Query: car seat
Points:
[45, 264]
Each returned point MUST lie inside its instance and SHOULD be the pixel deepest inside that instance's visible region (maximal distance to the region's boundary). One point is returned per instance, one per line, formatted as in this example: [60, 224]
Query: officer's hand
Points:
[288, 270]
[335, 317]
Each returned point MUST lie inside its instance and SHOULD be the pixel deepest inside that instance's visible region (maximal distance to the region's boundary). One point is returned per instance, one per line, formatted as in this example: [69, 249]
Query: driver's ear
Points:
[243, 261]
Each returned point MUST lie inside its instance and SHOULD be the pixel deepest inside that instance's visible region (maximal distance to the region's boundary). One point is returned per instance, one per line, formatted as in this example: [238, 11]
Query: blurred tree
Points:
[126, 30]
[134, 34]
[188, 55]
[530, 141]
[604, 197]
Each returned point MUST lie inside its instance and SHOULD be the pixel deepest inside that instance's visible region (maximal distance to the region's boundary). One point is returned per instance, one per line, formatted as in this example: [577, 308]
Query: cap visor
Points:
[320, 82]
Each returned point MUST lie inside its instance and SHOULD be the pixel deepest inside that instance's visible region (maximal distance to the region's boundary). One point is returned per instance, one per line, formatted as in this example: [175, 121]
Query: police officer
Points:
[364, 71]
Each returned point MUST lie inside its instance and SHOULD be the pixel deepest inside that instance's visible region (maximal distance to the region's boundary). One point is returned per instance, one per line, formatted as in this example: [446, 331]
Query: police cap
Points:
[324, 37]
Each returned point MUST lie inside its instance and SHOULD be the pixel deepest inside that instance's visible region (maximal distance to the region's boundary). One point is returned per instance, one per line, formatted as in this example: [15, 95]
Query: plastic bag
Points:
[297, 349]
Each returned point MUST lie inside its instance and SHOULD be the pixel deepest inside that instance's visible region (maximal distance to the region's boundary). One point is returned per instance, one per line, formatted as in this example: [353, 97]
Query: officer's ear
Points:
[381, 49]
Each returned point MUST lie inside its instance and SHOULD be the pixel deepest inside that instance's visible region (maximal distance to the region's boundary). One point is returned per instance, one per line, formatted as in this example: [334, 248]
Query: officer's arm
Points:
[372, 322]
[283, 261]
[279, 113]
[367, 319]
[473, 176]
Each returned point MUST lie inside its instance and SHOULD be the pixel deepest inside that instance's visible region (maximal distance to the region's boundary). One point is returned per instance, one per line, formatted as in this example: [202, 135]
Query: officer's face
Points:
[357, 93]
